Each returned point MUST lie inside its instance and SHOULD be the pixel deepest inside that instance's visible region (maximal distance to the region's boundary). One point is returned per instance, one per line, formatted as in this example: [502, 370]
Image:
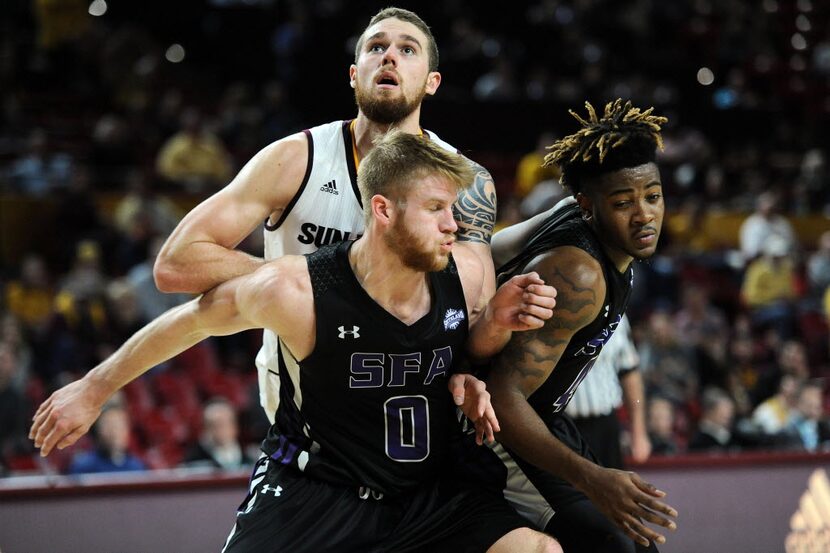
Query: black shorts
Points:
[549, 503]
[287, 511]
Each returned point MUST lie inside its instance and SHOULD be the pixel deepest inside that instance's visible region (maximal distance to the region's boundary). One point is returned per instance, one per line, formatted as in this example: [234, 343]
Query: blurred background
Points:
[118, 117]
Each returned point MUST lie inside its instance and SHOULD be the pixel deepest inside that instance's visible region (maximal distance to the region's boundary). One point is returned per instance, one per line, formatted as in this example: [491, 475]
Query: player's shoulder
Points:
[573, 272]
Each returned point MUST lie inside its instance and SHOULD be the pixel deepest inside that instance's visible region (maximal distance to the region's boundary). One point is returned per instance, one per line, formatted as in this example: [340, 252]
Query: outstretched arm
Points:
[231, 307]
[526, 363]
[199, 254]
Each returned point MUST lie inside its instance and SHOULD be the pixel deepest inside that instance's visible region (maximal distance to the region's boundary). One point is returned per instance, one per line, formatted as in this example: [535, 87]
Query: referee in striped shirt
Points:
[612, 381]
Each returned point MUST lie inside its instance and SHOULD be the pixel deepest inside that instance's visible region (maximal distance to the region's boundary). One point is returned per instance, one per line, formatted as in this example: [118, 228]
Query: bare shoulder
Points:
[275, 172]
[578, 279]
[475, 209]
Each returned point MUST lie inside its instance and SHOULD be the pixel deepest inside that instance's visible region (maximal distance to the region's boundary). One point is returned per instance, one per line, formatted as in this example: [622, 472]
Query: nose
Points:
[390, 57]
[644, 213]
[448, 223]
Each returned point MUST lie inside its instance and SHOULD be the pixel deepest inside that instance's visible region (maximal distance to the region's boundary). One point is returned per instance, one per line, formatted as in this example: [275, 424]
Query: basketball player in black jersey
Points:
[585, 248]
[374, 328]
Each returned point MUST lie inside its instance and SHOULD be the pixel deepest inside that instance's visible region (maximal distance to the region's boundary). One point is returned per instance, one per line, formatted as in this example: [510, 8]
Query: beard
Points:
[412, 252]
[384, 110]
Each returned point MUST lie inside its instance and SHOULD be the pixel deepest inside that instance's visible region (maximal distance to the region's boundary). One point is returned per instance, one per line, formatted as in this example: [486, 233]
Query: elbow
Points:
[167, 278]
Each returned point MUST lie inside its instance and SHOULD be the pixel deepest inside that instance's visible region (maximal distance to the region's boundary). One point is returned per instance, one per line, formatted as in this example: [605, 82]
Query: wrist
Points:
[99, 388]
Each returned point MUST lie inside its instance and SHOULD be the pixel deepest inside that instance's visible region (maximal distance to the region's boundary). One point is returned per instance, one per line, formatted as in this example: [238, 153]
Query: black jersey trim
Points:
[349, 145]
[299, 193]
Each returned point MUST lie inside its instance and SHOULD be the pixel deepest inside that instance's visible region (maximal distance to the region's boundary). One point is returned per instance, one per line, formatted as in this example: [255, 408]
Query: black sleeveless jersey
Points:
[565, 227]
[370, 405]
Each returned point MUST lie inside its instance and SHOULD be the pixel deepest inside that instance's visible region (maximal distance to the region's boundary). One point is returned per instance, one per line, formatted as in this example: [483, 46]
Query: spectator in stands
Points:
[762, 225]
[112, 440]
[124, 316]
[218, 444]
[30, 296]
[40, 170]
[660, 424]
[614, 380]
[14, 410]
[86, 279]
[162, 214]
[774, 413]
[698, 321]
[151, 302]
[194, 157]
[809, 422]
[818, 266]
[769, 288]
[668, 364]
[714, 430]
[530, 170]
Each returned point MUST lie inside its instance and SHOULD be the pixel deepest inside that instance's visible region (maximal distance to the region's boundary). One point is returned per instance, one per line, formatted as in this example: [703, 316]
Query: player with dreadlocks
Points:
[584, 247]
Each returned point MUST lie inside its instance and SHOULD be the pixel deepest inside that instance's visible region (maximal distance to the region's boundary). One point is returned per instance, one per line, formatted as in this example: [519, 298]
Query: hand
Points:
[524, 302]
[640, 447]
[629, 502]
[470, 395]
[65, 416]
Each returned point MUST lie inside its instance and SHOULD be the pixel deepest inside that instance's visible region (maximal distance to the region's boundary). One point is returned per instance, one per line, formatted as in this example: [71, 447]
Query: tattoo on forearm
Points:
[475, 209]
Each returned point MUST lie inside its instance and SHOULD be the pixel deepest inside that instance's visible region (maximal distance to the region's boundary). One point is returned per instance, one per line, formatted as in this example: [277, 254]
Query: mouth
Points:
[387, 80]
[447, 246]
[646, 238]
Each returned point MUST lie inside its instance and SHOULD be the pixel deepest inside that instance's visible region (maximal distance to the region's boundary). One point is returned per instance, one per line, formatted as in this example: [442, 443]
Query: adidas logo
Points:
[330, 187]
[810, 525]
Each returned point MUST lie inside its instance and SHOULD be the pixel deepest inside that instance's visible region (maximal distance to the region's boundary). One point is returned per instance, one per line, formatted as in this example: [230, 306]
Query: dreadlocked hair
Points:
[623, 137]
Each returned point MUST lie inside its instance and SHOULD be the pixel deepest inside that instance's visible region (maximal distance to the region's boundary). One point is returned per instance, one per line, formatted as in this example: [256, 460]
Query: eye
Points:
[376, 48]
[408, 50]
[622, 204]
[654, 197]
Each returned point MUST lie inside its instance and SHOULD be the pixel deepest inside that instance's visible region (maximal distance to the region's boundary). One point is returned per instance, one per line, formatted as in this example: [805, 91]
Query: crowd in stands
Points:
[105, 142]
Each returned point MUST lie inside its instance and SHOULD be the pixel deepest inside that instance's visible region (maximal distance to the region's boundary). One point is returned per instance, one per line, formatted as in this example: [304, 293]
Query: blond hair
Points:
[399, 160]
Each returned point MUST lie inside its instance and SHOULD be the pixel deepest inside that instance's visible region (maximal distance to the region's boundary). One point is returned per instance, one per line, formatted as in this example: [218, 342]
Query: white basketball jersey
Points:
[325, 209]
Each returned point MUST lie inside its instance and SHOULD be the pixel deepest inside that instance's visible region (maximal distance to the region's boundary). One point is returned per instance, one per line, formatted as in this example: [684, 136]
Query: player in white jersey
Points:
[304, 185]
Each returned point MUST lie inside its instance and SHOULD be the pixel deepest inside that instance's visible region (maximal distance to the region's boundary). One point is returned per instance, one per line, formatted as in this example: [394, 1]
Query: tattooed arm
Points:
[475, 213]
[528, 360]
[530, 357]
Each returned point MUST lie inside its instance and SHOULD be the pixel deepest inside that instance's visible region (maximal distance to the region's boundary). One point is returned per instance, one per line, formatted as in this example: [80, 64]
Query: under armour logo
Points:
[353, 332]
[365, 492]
[267, 488]
[607, 309]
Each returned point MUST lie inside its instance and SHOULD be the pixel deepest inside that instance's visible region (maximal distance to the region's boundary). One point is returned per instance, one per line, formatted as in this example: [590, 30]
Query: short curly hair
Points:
[625, 136]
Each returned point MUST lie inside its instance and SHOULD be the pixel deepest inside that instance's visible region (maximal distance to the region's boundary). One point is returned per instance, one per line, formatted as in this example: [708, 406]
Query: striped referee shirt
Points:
[600, 393]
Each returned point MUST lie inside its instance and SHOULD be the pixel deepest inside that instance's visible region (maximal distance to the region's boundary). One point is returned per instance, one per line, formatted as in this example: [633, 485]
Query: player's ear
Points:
[352, 75]
[382, 209]
[433, 81]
